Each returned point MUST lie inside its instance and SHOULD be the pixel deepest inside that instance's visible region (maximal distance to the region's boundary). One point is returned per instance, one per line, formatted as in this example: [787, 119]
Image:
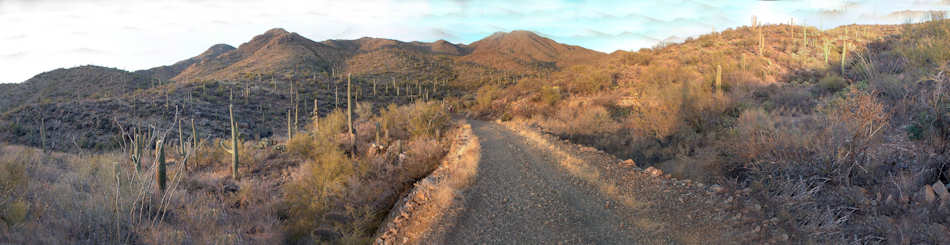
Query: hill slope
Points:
[71, 84]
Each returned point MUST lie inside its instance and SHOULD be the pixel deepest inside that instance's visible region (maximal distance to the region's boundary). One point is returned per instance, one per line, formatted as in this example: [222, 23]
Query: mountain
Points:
[278, 52]
[71, 84]
[518, 49]
[169, 71]
[275, 51]
[83, 103]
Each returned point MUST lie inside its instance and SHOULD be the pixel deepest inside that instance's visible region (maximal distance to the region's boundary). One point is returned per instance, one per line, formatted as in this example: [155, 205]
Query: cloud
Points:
[16, 55]
[86, 51]
[14, 37]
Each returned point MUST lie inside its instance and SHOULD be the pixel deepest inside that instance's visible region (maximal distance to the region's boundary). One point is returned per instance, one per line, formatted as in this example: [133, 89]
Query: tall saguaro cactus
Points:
[349, 115]
[234, 145]
[181, 140]
[160, 176]
[349, 106]
[290, 130]
[761, 43]
[844, 56]
[718, 78]
[316, 115]
[43, 134]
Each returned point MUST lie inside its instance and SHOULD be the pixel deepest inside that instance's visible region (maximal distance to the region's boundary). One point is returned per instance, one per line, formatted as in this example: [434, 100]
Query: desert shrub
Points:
[315, 187]
[580, 119]
[364, 110]
[550, 95]
[484, 98]
[925, 44]
[393, 121]
[427, 119]
[832, 83]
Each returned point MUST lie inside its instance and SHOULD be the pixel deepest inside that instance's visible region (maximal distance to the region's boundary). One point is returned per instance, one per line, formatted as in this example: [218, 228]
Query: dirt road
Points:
[533, 189]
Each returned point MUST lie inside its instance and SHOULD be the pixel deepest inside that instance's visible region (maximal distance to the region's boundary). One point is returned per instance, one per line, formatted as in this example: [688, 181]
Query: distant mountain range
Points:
[70, 98]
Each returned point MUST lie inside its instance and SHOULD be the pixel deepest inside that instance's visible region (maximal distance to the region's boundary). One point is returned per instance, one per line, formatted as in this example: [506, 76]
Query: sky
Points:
[42, 35]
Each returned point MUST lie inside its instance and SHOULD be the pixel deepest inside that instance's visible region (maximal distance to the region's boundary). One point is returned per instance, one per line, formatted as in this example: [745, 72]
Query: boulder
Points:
[655, 172]
[941, 191]
[629, 162]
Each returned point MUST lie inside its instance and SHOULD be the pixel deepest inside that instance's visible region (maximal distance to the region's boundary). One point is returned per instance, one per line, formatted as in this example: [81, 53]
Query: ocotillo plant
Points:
[160, 175]
[234, 144]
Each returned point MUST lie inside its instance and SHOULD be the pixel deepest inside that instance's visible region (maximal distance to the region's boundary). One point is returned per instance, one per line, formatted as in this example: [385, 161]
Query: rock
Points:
[717, 189]
[629, 162]
[927, 194]
[654, 171]
[325, 234]
[941, 191]
[230, 187]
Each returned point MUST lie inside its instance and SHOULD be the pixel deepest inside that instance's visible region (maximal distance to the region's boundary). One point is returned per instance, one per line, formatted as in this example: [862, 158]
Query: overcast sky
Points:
[42, 35]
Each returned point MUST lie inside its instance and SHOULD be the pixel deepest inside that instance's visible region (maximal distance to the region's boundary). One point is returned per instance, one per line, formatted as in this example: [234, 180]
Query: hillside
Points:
[524, 50]
[167, 72]
[71, 84]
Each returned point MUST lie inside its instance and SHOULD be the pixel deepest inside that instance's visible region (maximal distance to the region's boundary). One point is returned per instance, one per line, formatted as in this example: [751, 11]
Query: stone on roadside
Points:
[655, 172]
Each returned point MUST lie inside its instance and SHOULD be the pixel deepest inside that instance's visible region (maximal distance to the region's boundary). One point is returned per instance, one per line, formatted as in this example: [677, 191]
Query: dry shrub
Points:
[422, 157]
[341, 198]
[427, 120]
[316, 186]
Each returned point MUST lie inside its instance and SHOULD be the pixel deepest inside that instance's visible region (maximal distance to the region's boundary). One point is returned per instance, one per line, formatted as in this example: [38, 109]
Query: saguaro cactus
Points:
[827, 51]
[844, 56]
[804, 37]
[349, 106]
[160, 175]
[377, 133]
[234, 145]
[718, 78]
[194, 134]
[181, 140]
[290, 131]
[316, 115]
[761, 43]
[396, 87]
[43, 134]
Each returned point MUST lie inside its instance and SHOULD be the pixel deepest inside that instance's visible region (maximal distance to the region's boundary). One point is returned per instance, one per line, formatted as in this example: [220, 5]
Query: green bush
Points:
[832, 83]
